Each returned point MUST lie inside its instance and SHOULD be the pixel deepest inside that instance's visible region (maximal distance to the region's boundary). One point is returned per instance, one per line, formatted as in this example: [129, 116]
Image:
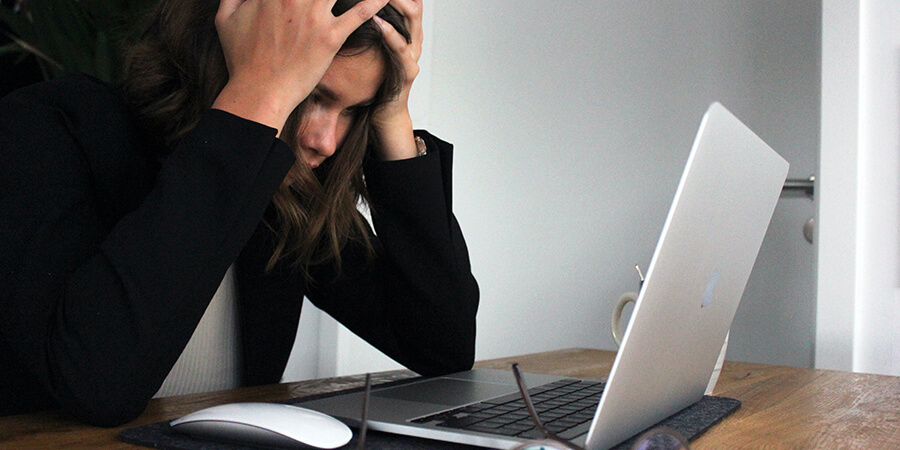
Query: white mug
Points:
[618, 334]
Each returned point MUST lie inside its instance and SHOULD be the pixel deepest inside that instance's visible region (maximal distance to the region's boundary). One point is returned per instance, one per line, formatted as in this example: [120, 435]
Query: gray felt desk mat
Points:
[691, 422]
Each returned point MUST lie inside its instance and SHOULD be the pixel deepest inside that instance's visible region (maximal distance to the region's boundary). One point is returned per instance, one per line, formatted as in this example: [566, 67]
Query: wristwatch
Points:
[420, 146]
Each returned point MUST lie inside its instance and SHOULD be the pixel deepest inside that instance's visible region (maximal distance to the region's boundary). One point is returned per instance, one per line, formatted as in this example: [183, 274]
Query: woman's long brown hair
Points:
[174, 73]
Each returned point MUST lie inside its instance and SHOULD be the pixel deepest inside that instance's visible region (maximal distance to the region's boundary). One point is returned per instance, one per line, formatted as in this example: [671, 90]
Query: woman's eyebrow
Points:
[323, 91]
[330, 95]
[363, 105]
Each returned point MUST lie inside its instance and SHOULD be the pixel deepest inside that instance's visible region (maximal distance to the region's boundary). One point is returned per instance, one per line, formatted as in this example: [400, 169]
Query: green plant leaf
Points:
[103, 63]
[27, 49]
[75, 35]
[66, 33]
[16, 22]
[10, 48]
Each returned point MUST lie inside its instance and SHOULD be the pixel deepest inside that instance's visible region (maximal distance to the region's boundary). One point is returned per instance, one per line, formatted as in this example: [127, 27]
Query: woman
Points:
[244, 136]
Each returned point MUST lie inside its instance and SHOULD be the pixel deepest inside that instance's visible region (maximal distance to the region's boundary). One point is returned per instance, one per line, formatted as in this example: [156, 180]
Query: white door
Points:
[776, 321]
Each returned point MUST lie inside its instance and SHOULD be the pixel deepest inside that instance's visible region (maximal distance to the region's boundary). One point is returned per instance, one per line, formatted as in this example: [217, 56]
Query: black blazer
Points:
[109, 258]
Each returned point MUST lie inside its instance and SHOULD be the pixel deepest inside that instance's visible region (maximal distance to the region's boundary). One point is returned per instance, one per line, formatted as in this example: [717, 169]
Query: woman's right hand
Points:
[278, 50]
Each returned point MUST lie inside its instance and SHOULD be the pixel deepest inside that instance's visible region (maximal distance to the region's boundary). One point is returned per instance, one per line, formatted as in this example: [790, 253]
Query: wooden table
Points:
[782, 407]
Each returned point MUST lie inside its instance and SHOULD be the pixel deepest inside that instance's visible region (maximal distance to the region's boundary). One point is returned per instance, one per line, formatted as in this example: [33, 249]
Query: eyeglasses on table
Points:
[660, 438]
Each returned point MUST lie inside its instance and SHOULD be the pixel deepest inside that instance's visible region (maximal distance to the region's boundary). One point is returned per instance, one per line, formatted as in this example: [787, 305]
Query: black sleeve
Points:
[99, 313]
[417, 299]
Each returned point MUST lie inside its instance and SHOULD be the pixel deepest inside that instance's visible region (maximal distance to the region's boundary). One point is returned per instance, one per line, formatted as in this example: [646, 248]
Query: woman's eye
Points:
[314, 98]
[352, 111]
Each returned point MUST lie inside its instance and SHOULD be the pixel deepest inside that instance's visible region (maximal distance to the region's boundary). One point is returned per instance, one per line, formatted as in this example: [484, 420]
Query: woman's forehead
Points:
[353, 79]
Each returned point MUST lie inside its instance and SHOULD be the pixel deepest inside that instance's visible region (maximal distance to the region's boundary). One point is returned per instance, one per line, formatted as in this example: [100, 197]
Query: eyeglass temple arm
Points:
[520, 382]
[364, 422]
[523, 389]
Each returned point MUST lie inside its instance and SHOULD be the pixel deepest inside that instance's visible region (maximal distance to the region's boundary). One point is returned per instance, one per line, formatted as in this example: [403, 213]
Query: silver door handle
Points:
[807, 185]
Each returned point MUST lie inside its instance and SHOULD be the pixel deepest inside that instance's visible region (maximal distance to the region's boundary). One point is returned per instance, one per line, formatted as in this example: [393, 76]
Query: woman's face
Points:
[349, 85]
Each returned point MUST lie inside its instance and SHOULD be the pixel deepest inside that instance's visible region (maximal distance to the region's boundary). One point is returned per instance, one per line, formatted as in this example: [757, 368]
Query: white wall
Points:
[859, 253]
[572, 126]
[837, 185]
[877, 337]
[572, 122]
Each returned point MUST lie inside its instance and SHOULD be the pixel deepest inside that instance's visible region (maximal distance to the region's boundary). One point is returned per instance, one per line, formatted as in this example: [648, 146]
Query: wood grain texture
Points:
[782, 407]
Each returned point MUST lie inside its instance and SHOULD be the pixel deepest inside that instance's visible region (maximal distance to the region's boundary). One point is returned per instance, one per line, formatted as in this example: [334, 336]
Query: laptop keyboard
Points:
[565, 407]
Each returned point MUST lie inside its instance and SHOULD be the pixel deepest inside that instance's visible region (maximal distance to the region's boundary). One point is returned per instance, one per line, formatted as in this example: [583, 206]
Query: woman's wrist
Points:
[257, 106]
[396, 140]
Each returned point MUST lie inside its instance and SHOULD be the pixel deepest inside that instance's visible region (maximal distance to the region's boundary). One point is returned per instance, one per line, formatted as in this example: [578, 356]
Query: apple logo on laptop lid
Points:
[710, 287]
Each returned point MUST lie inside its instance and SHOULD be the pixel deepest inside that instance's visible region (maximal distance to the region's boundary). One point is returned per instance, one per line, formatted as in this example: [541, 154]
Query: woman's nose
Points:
[320, 134]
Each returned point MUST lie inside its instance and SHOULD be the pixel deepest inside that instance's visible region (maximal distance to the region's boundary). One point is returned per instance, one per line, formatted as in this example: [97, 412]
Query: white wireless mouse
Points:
[265, 425]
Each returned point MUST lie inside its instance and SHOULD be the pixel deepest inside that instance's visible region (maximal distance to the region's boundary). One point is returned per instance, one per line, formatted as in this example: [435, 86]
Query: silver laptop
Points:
[709, 243]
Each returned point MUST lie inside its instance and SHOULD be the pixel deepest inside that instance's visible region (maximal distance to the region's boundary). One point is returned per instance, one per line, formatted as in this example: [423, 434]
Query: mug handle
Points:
[616, 320]
[618, 334]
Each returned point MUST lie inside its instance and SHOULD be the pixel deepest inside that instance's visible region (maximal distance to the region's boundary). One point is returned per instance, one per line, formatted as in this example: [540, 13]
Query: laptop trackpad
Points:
[446, 391]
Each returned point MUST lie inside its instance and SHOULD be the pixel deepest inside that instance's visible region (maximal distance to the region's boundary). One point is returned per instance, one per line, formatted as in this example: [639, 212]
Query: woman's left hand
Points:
[392, 121]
